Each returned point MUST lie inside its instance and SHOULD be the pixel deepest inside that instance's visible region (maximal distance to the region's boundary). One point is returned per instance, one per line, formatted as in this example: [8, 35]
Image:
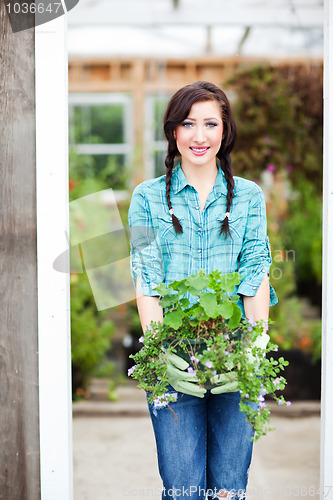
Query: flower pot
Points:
[302, 374]
[192, 347]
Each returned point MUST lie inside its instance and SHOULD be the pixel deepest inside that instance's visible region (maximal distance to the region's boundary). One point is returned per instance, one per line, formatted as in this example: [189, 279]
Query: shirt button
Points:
[198, 300]
[199, 251]
[254, 288]
[263, 270]
[199, 228]
[197, 207]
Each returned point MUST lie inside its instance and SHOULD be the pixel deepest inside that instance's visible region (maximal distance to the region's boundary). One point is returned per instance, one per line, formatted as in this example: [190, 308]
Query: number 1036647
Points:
[304, 491]
[33, 8]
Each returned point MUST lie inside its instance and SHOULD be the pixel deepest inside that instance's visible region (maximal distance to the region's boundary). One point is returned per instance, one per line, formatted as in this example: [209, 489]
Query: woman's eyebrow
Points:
[205, 119]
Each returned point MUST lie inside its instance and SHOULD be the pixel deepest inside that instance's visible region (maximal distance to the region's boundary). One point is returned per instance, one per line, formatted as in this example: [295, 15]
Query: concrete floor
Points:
[115, 458]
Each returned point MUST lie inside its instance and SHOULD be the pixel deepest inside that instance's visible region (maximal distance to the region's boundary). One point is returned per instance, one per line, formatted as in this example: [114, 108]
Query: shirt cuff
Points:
[250, 285]
[147, 285]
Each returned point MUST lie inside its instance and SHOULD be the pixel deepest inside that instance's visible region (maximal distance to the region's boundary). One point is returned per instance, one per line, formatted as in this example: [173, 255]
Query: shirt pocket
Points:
[166, 229]
[236, 225]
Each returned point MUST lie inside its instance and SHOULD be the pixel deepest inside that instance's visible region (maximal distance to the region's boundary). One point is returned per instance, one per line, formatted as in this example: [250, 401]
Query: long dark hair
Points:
[177, 111]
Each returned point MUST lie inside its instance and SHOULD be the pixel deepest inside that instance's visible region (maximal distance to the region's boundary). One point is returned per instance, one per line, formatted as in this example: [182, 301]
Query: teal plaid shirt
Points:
[159, 255]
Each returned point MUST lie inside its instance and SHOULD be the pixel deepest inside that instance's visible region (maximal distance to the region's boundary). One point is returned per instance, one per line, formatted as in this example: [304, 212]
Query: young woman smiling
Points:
[200, 216]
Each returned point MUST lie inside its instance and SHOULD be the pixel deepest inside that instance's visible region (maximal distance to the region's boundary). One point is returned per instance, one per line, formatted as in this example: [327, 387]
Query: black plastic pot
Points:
[302, 374]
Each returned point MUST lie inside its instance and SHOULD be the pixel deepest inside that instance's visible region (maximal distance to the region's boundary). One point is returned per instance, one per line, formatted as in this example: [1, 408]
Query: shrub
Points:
[91, 333]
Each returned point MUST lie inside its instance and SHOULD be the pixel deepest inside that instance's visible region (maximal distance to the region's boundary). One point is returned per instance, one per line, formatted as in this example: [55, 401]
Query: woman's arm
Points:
[255, 257]
[148, 307]
[257, 307]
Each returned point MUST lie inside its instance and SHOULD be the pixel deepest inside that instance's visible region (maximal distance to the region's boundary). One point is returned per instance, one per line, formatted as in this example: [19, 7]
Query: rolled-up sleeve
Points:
[146, 256]
[255, 258]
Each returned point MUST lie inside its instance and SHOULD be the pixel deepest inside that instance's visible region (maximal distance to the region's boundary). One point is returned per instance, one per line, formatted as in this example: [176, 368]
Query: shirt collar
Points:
[179, 181]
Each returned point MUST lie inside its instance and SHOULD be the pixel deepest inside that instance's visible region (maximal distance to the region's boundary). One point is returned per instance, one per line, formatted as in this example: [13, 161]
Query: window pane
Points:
[108, 169]
[159, 158]
[94, 124]
[160, 105]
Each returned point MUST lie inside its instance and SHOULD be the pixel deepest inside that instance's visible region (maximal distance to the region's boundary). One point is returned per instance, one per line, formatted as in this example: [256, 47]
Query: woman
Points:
[199, 216]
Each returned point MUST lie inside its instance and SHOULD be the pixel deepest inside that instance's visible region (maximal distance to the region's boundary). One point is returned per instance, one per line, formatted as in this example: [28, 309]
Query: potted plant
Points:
[214, 339]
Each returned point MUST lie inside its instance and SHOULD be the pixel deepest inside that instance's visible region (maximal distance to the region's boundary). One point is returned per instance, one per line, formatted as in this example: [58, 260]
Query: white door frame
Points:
[55, 394]
[326, 456]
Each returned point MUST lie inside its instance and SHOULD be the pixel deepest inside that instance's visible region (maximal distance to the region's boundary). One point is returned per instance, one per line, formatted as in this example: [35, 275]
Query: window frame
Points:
[104, 99]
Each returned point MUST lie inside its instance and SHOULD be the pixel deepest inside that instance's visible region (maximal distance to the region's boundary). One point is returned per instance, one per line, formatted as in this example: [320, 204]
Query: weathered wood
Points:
[98, 74]
[19, 410]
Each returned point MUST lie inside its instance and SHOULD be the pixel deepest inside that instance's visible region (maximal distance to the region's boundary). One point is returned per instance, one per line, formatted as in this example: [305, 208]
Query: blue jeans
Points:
[203, 446]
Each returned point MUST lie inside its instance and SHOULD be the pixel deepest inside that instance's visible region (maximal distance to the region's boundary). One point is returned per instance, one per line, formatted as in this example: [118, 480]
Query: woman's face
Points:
[199, 136]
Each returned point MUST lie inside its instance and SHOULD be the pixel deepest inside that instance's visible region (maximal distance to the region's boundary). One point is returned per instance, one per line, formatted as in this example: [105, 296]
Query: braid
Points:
[226, 167]
[169, 165]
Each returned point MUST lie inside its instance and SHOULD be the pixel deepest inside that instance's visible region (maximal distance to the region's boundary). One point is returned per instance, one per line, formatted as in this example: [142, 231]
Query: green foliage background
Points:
[91, 334]
[279, 115]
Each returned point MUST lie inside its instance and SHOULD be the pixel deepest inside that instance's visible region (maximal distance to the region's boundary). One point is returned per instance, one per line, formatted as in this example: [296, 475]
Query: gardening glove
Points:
[261, 341]
[225, 382]
[181, 380]
[228, 382]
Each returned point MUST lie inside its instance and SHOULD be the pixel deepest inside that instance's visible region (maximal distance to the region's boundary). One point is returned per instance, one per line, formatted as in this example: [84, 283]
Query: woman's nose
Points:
[199, 135]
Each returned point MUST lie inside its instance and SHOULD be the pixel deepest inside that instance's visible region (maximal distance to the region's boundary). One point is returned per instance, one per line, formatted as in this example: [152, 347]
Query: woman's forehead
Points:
[205, 110]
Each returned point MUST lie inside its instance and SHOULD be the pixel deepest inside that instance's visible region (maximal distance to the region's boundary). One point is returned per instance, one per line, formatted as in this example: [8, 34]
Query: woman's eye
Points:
[187, 124]
[211, 124]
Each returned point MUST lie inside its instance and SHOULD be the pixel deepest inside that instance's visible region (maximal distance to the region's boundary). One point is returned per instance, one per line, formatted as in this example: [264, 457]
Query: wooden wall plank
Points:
[19, 414]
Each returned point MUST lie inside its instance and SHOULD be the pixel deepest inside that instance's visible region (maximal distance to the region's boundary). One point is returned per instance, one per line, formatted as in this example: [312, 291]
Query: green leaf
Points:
[196, 283]
[184, 302]
[196, 310]
[209, 303]
[230, 280]
[174, 319]
[168, 300]
[216, 275]
[180, 286]
[235, 318]
[161, 289]
[226, 309]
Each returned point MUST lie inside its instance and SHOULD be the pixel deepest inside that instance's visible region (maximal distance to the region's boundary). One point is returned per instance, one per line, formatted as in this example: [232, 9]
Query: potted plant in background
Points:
[215, 341]
[91, 334]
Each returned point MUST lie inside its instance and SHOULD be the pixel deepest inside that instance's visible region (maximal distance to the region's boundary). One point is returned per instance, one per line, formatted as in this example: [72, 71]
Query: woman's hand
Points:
[225, 382]
[181, 380]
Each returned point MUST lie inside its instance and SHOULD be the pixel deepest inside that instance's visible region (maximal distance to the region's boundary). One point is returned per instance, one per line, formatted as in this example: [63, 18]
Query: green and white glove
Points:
[261, 341]
[180, 379]
[227, 382]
